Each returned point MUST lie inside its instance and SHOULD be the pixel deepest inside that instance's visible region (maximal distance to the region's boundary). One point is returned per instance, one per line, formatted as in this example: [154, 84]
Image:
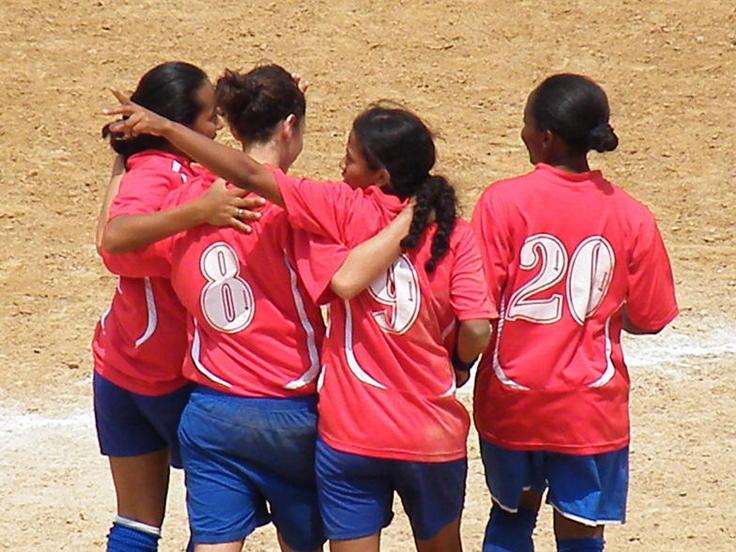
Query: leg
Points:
[141, 485]
[512, 531]
[139, 462]
[236, 546]
[575, 537]
[514, 512]
[447, 540]
[365, 544]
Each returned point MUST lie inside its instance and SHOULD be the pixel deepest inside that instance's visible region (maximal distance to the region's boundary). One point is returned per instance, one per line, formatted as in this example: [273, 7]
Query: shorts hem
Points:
[222, 538]
[359, 534]
[586, 521]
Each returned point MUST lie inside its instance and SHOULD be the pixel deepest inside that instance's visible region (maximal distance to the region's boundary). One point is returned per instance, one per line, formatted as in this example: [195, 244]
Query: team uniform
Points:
[248, 434]
[388, 417]
[140, 341]
[564, 253]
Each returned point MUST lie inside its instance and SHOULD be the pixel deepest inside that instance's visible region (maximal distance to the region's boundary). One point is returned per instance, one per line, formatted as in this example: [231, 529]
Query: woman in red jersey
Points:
[388, 418]
[571, 260]
[139, 391]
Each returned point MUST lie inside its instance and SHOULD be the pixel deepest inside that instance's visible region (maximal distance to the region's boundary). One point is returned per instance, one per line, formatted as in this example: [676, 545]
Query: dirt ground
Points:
[466, 66]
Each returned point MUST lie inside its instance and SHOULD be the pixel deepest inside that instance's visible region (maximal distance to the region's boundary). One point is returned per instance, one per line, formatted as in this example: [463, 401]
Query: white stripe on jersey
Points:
[152, 314]
[313, 372]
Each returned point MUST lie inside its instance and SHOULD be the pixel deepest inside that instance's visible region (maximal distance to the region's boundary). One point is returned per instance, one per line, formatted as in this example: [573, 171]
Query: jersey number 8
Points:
[226, 299]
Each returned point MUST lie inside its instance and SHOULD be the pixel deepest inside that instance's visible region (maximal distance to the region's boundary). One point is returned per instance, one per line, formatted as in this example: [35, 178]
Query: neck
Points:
[576, 164]
[267, 152]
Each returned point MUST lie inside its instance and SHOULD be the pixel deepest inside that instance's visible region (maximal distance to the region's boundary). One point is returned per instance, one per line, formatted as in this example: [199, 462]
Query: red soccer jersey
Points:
[388, 388]
[140, 341]
[255, 332]
[563, 254]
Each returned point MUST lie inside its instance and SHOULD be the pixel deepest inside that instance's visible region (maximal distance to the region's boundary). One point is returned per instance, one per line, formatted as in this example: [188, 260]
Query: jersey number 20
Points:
[588, 279]
[226, 299]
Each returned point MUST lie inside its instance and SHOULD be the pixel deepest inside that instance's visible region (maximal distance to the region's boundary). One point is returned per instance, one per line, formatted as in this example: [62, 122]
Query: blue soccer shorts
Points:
[129, 424]
[248, 461]
[591, 489]
[356, 493]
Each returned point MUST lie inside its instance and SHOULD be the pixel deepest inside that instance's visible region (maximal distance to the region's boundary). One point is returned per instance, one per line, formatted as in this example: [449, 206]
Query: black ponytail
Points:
[436, 196]
[399, 141]
[169, 89]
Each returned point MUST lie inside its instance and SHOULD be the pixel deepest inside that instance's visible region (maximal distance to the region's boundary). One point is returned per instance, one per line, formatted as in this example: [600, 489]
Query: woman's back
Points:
[388, 383]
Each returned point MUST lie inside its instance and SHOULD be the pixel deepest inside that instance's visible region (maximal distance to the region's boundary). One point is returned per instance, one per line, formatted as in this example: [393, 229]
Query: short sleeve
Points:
[320, 208]
[317, 260]
[492, 232]
[650, 303]
[468, 287]
[141, 191]
[154, 260]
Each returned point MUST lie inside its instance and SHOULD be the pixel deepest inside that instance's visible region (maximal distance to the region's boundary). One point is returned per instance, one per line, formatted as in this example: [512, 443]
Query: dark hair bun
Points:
[255, 102]
[602, 138]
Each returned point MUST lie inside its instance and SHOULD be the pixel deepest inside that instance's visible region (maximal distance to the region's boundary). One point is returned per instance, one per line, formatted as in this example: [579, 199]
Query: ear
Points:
[290, 125]
[548, 139]
[383, 178]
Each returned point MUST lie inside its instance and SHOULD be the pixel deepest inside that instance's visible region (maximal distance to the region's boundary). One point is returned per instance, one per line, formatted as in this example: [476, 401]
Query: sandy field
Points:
[466, 66]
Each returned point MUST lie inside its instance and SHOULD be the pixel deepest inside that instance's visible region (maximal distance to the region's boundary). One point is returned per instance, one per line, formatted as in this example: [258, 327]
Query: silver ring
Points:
[239, 213]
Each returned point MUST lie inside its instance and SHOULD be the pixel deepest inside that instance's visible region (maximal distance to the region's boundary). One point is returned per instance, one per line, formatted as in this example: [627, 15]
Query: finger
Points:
[236, 192]
[238, 225]
[250, 202]
[248, 215]
[127, 109]
[122, 98]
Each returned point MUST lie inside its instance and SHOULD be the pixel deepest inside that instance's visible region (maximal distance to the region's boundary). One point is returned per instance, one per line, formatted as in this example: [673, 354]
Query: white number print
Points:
[398, 290]
[226, 299]
[588, 279]
[550, 252]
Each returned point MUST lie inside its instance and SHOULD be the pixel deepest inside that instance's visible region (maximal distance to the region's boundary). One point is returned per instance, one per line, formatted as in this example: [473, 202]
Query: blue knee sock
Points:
[131, 536]
[580, 545]
[508, 532]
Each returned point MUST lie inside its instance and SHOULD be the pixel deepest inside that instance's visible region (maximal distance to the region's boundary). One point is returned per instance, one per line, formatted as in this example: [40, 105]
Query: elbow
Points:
[478, 335]
[343, 289]
[110, 245]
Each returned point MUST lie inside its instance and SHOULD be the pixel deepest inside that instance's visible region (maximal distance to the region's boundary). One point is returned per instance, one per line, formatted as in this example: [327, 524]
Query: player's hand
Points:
[300, 82]
[461, 377]
[136, 120]
[223, 206]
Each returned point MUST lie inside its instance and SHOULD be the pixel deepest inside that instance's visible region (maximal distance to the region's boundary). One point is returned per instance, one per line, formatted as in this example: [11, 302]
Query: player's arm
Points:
[370, 259]
[118, 170]
[233, 165]
[472, 305]
[219, 206]
[473, 337]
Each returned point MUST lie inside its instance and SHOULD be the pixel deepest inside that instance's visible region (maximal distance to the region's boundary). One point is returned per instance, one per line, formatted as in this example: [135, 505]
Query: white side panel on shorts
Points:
[308, 376]
[196, 349]
[152, 314]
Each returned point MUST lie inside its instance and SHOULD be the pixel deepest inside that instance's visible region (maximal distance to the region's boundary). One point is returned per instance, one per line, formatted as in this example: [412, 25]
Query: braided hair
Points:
[397, 140]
